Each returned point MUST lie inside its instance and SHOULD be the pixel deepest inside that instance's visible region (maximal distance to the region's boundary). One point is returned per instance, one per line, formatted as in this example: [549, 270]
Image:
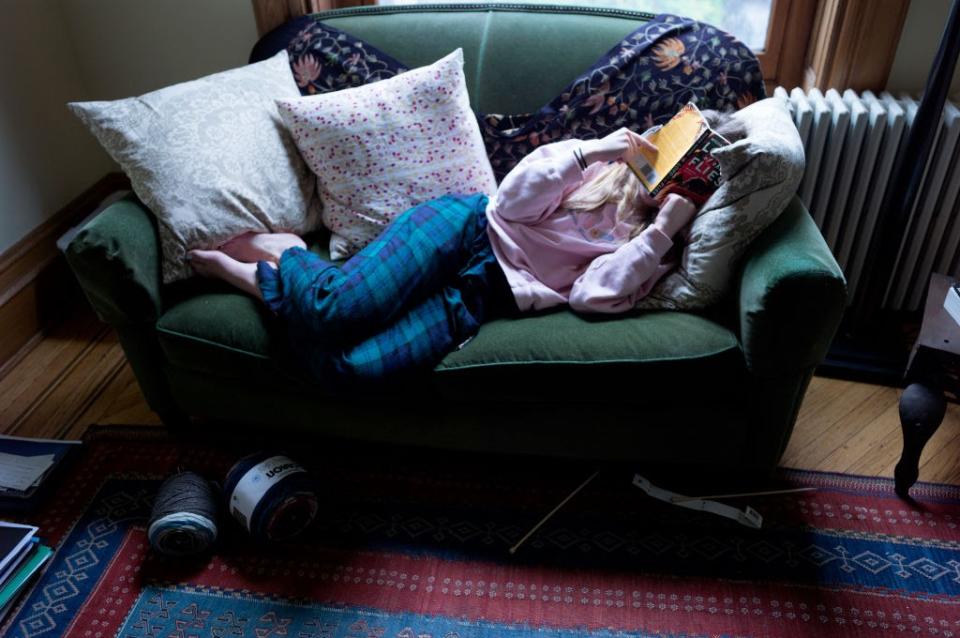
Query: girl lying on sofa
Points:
[570, 224]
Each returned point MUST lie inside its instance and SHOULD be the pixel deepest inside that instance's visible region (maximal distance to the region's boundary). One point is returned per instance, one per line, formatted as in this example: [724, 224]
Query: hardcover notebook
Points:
[683, 163]
[27, 466]
[15, 545]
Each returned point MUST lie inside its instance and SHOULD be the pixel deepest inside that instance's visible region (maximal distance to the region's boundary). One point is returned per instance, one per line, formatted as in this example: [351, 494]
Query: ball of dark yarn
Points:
[183, 519]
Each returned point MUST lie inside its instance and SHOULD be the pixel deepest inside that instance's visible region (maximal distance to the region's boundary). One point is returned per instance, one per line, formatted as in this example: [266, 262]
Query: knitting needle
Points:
[681, 499]
[513, 550]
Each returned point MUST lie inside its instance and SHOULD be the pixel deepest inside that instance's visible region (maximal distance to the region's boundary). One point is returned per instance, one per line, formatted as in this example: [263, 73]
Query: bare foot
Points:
[218, 265]
[253, 247]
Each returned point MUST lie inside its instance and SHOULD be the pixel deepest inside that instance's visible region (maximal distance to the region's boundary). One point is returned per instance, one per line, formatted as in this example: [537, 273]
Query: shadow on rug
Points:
[414, 544]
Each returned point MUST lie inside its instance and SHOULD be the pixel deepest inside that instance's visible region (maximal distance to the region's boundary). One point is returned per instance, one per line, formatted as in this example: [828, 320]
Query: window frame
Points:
[853, 43]
[784, 53]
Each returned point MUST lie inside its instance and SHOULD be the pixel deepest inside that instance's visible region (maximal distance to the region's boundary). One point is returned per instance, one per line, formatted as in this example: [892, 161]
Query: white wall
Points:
[918, 44]
[46, 157]
[129, 47]
[56, 51]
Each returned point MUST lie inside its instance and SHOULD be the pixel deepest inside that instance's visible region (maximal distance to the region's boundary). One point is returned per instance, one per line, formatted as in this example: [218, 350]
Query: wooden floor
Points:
[77, 375]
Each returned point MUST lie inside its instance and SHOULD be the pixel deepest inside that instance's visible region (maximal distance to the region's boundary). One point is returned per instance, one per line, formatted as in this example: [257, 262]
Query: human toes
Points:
[205, 262]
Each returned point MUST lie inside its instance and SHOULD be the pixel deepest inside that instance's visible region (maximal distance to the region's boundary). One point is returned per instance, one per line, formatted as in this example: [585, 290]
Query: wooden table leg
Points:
[922, 408]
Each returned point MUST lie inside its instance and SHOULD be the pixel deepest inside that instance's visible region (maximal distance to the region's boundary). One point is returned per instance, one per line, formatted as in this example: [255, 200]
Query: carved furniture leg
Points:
[922, 408]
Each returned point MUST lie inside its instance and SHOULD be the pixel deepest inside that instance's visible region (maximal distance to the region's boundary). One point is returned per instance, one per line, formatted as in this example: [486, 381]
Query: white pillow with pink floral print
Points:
[379, 149]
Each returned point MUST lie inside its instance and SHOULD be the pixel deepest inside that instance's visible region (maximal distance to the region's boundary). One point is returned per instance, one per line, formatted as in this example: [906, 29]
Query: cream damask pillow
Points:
[384, 147]
[761, 174]
[211, 158]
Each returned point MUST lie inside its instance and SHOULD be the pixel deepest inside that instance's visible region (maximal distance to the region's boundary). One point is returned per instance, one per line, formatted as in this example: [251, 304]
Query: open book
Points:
[683, 163]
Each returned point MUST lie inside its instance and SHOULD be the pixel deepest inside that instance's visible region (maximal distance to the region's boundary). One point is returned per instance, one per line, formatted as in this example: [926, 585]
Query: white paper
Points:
[20, 472]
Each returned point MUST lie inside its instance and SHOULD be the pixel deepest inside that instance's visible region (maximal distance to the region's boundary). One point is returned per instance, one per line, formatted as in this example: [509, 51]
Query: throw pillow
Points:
[666, 62]
[211, 158]
[761, 173]
[381, 148]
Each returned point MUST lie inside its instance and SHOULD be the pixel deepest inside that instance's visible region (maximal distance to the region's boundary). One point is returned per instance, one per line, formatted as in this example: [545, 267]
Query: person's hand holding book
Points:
[620, 144]
[675, 213]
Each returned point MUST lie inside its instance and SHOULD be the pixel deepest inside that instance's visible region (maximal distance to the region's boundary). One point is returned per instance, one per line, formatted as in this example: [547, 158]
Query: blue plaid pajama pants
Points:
[414, 294]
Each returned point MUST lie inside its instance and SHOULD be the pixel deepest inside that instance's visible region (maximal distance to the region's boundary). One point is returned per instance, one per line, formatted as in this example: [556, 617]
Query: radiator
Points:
[851, 141]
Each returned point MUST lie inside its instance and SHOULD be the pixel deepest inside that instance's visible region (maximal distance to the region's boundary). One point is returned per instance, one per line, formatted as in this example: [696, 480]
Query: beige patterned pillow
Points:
[381, 148]
[761, 174]
[211, 158]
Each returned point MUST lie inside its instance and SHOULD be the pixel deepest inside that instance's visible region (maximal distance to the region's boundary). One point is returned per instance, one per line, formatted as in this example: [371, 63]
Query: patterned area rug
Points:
[414, 545]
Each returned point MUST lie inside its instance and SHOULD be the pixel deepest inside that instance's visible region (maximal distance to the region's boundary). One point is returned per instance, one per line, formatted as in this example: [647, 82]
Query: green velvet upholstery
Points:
[791, 296]
[117, 259]
[721, 388]
[521, 360]
[194, 335]
[496, 45]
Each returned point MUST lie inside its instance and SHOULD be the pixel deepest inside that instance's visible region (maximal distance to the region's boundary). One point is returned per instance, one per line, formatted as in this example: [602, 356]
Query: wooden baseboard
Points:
[36, 286]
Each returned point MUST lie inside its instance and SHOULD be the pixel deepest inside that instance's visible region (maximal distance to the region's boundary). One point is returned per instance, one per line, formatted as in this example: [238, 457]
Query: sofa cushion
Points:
[569, 338]
[646, 358]
[222, 333]
[524, 359]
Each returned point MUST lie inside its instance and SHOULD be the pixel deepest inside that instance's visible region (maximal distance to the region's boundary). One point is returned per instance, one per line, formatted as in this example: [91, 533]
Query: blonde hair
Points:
[615, 183]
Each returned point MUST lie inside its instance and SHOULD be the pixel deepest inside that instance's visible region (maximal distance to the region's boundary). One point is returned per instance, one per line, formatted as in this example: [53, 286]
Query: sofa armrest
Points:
[116, 257]
[792, 297]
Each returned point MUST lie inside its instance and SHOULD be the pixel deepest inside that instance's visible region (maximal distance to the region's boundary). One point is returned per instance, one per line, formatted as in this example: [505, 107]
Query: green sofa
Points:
[719, 389]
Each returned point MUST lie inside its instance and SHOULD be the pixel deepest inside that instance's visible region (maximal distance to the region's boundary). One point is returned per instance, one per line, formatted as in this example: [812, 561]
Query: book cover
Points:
[683, 163]
[9, 592]
[15, 540]
[54, 450]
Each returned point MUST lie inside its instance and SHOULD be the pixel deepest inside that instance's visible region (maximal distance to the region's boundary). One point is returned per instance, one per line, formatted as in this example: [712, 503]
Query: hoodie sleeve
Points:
[615, 281]
[536, 186]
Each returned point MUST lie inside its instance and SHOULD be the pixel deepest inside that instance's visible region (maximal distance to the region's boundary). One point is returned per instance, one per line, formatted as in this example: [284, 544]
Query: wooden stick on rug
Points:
[513, 550]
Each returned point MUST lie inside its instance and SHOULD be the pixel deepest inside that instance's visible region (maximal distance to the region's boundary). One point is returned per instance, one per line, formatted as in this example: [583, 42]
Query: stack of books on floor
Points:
[21, 557]
[27, 469]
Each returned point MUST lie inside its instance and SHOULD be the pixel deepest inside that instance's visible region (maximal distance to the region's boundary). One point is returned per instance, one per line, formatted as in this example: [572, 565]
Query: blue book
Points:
[17, 584]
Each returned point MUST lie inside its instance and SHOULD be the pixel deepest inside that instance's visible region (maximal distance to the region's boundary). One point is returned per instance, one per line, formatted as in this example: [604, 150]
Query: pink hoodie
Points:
[552, 256]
